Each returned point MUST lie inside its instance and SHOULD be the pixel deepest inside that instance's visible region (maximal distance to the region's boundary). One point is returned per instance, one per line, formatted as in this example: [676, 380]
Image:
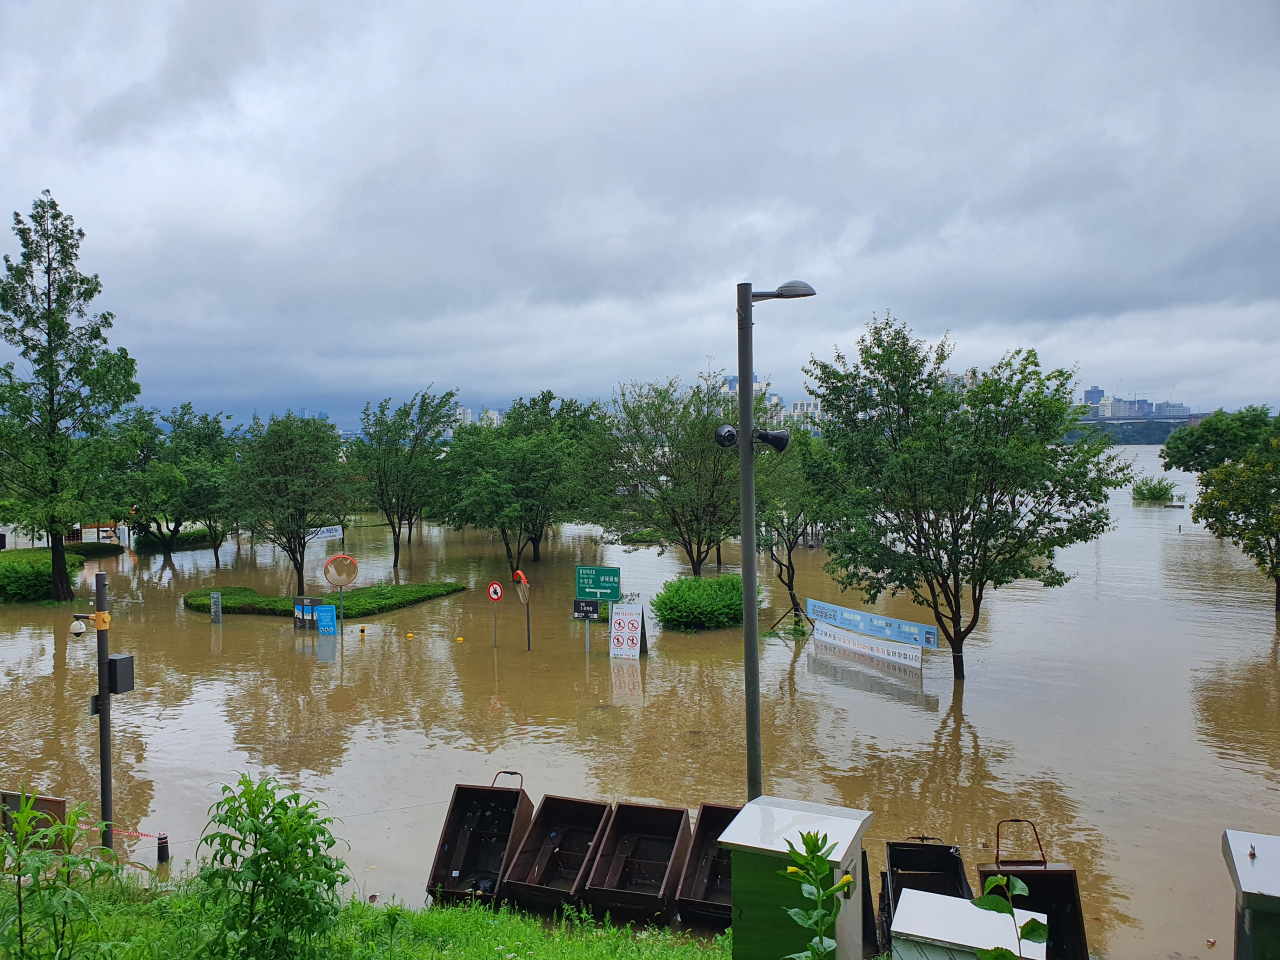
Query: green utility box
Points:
[1253, 860]
[757, 841]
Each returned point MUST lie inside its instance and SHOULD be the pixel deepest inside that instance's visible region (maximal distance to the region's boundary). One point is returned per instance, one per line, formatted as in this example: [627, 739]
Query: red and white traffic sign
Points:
[495, 591]
[625, 638]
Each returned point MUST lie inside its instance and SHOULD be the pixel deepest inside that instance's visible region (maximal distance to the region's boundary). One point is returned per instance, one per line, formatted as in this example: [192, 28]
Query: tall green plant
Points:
[1033, 931]
[55, 409]
[50, 866]
[272, 871]
[811, 869]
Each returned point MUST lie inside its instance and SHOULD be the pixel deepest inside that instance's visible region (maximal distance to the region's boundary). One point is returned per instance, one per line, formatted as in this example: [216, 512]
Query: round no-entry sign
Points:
[495, 591]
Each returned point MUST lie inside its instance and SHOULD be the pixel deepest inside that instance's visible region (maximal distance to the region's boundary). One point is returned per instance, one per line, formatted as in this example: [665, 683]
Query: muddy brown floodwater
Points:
[1132, 714]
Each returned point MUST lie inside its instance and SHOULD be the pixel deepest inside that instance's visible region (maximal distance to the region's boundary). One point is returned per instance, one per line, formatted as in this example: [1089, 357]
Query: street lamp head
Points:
[726, 436]
[795, 288]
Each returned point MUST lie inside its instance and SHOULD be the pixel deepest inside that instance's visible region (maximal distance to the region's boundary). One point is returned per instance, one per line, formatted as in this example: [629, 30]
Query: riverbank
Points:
[358, 602]
[177, 920]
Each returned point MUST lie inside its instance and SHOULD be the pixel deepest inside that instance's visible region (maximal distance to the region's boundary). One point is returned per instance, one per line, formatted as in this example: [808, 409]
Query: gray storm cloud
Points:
[318, 204]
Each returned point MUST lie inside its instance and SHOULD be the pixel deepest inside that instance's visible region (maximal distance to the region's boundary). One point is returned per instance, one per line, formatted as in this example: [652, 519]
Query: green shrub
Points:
[197, 539]
[1154, 489]
[700, 603]
[91, 548]
[360, 602]
[271, 871]
[27, 575]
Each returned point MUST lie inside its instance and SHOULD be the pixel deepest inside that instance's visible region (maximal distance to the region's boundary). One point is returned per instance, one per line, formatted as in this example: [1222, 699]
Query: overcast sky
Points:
[319, 203]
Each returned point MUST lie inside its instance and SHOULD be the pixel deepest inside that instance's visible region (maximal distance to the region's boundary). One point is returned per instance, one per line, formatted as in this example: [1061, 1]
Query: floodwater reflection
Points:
[1132, 714]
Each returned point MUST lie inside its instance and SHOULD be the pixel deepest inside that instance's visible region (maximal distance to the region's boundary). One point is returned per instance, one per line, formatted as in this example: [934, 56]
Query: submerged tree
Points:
[53, 414]
[396, 459]
[1240, 501]
[787, 509]
[946, 486]
[673, 477]
[290, 481]
[537, 468]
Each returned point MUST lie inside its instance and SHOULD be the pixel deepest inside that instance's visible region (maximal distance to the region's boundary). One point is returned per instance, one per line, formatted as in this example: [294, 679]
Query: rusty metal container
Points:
[705, 893]
[482, 830]
[554, 858]
[640, 861]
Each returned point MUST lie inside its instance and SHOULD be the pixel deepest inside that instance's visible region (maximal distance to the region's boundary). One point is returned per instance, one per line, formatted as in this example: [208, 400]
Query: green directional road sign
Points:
[599, 583]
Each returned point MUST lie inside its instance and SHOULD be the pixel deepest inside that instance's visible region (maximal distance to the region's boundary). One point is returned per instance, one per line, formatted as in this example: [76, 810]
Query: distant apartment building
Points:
[1168, 408]
[461, 416]
[1093, 396]
[492, 417]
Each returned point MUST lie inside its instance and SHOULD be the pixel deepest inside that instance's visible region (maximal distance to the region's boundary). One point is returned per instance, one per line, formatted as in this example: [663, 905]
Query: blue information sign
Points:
[327, 619]
[874, 625]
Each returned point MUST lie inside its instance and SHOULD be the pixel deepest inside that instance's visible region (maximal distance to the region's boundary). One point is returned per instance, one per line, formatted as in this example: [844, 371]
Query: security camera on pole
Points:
[726, 436]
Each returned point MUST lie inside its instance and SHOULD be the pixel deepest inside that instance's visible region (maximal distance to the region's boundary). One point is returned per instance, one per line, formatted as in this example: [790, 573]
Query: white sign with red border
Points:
[495, 591]
[626, 626]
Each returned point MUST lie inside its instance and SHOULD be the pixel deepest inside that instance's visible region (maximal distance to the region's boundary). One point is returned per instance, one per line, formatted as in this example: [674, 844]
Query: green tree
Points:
[1219, 438]
[672, 476]
[396, 460]
[54, 413]
[205, 454]
[289, 481]
[542, 465]
[944, 487]
[1240, 501]
[787, 504]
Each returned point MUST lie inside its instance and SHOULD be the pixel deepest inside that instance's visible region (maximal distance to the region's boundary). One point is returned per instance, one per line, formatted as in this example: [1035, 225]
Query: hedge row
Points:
[27, 575]
[197, 539]
[95, 549]
[359, 602]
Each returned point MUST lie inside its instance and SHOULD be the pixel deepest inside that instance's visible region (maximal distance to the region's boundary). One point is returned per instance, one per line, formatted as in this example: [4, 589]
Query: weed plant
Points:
[1153, 490]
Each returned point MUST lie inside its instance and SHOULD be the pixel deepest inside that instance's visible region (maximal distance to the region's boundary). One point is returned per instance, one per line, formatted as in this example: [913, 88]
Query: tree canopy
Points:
[55, 410]
[672, 476]
[944, 486]
[1219, 438]
[289, 481]
[396, 459]
[544, 464]
[1240, 501]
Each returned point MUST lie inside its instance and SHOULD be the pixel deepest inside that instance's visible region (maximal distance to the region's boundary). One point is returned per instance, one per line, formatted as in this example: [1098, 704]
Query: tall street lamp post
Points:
[747, 469]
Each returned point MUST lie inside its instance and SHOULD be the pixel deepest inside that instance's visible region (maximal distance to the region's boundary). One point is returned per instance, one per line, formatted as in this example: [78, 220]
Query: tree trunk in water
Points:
[957, 659]
[59, 582]
[297, 568]
[395, 546]
[217, 563]
[717, 556]
[536, 542]
[697, 566]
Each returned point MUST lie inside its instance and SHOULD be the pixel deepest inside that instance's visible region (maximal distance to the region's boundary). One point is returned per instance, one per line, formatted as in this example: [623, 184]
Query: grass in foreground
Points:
[178, 922]
[360, 602]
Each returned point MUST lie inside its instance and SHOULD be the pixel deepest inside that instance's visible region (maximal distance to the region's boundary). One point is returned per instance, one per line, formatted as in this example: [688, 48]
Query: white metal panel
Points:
[766, 824]
[1259, 875]
[955, 922]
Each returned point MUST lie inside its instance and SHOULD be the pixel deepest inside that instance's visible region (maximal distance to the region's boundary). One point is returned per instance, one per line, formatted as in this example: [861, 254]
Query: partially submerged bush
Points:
[93, 548]
[196, 539]
[700, 603]
[27, 575]
[1154, 490]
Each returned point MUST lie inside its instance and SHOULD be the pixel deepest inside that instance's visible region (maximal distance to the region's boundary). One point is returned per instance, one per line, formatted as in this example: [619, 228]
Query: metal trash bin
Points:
[757, 841]
[1253, 859]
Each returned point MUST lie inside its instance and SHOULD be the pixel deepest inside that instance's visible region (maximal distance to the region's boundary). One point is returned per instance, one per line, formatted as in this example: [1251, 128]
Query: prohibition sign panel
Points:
[495, 591]
[624, 639]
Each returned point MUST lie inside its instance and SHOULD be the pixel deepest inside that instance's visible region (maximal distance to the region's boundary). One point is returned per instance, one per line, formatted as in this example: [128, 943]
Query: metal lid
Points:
[766, 824]
[955, 922]
[1257, 878]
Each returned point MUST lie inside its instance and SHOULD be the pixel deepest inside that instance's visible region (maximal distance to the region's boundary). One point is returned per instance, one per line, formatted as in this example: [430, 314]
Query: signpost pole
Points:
[495, 626]
[342, 614]
[528, 628]
[588, 634]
